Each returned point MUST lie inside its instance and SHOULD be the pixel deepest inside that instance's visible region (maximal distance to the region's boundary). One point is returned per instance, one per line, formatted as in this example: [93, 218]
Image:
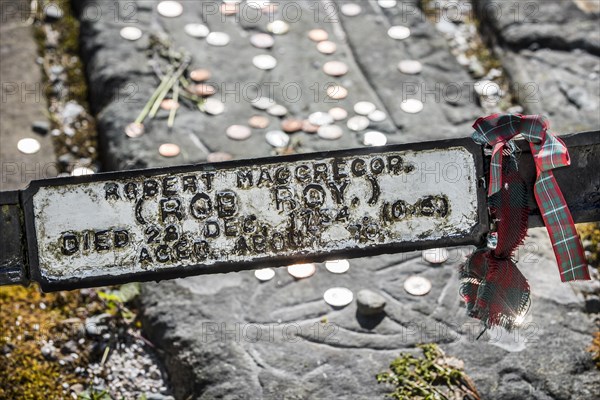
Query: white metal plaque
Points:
[265, 210]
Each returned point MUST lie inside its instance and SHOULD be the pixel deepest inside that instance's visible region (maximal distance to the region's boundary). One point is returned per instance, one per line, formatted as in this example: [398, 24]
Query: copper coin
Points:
[258, 122]
[169, 150]
[291, 125]
[308, 127]
[134, 130]
[326, 47]
[200, 75]
[338, 113]
[262, 40]
[169, 104]
[335, 68]
[202, 89]
[318, 35]
[337, 92]
[238, 132]
[229, 8]
[219, 156]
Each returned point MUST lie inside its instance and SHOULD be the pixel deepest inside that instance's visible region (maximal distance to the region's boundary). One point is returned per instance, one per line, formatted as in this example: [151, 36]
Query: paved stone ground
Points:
[307, 349]
[22, 100]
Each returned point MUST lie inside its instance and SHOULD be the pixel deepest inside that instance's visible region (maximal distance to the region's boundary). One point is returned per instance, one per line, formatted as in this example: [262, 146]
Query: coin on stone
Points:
[200, 75]
[238, 132]
[262, 40]
[326, 47]
[291, 125]
[265, 274]
[338, 113]
[131, 33]
[358, 123]
[258, 122]
[277, 138]
[300, 271]
[218, 39]
[308, 127]
[417, 285]
[412, 106]
[169, 9]
[435, 256]
[351, 9]
[337, 92]
[229, 8]
[278, 27]
[277, 110]
[81, 171]
[399, 32]
[374, 138]
[264, 61]
[337, 266]
[134, 130]
[196, 30]
[28, 146]
[318, 35]
[338, 296]
[410, 67]
[213, 106]
[335, 68]
[262, 103]
[377, 116]
[330, 132]
[203, 90]
[169, 104]
[387, 3]
[320, 118]
[218, 156]
[364, 107]
[486, 88]
[169, 150]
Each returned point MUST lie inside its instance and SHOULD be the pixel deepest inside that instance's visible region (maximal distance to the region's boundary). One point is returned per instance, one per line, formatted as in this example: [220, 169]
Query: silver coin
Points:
[238, 132]
[320, 118]
[435, 256]
[80, 171]
[262, 103]
[337, 266]
[278, 27]
[277, 138]
[213, 106]
[218, 39]
[412, 106]
[330, 132]
[351, 9]
[29, 146]
[134, 130]
[196, 30]
[417, 285]
[262, 40]
[337, 92]
[364, 107]
[377, 116]
[131, 33]
[326, 47]
[410, 67]
[265, 274]
[374, 138]
[387, 3]
[277, 110]
[169, 9]
[358, 123]
[398, 32]
[300, 271]
[264, 61]
[338, 113]
[338, 296]
[486, 88]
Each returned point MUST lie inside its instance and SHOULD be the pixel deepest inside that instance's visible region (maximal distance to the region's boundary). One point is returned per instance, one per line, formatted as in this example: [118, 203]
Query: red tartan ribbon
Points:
[549, 152]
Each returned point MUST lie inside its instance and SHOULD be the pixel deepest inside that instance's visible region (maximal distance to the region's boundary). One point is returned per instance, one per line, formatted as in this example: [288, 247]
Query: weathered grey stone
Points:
[41, 127]
[369, 302]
